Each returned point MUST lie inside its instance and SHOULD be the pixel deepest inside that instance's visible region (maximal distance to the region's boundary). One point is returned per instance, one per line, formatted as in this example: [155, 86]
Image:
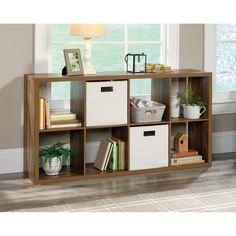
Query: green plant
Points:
[56, 150]
[189, 98]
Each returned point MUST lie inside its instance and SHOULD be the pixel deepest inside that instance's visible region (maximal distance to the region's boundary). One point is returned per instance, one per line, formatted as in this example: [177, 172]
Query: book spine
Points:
[118, 156]
[188, 162]
[65, 122]
[122, 156]
[41, 114]
[65, 125]
[109, 155]
[186, 159]
[184, 154]
[47, 115]
[114, 156]
[63, 117]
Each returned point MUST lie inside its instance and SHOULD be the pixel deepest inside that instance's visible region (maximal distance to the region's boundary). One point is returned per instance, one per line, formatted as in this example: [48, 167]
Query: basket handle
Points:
[149, 112]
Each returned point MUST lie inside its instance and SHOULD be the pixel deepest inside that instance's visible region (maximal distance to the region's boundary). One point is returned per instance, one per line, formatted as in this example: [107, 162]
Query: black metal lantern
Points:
[136, 63]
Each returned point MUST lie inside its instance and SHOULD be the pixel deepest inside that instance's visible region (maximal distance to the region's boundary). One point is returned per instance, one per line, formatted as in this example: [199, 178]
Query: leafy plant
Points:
[56, 150]
[189, 98]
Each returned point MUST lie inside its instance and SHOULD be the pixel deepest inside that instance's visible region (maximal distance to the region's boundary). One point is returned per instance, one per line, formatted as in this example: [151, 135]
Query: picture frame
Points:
[73, 61]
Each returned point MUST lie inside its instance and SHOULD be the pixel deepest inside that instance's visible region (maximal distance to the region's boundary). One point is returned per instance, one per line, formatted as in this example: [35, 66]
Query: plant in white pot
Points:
[53, 157]
[193, 105]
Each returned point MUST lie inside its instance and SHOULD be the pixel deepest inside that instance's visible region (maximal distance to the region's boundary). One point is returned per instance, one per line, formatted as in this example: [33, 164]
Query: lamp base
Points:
[88, 70]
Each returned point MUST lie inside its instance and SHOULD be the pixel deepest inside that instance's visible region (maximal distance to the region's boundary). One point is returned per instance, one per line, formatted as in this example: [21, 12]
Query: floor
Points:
[203, 190]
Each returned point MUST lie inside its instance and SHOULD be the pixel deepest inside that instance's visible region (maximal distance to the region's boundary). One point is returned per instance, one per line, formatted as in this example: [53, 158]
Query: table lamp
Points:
[87, 31]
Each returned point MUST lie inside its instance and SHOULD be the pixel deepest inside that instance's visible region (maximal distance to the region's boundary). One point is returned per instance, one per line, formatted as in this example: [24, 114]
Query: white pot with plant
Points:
[193, 105]
[53, 158]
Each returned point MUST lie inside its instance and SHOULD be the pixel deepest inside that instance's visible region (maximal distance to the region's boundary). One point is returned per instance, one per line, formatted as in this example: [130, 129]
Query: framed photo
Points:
[73, 61]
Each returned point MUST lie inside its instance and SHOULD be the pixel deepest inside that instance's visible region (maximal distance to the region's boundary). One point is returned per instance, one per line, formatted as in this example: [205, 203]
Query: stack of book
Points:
[181, 158]
[63, 120]
[49, 120]
[111, 155]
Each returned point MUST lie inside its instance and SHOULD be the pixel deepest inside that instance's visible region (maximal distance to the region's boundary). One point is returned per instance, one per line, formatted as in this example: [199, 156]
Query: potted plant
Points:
[191, 103]
[53, 158]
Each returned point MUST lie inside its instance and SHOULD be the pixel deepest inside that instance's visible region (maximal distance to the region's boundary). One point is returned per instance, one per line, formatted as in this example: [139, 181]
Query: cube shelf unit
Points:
[163, 86]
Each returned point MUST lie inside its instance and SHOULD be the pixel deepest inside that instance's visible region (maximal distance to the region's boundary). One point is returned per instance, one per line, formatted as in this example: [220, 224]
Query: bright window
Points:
[220, 59]
[226, 57]
[108, 51]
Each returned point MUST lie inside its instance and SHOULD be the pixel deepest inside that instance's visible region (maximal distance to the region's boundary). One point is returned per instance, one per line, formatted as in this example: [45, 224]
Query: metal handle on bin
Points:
[149, 133]
[107, 89]
[150, 111]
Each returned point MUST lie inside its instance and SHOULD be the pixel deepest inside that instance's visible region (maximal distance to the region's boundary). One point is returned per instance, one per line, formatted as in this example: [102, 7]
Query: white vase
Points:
[55, 166]
[193, 112]
[175, 109]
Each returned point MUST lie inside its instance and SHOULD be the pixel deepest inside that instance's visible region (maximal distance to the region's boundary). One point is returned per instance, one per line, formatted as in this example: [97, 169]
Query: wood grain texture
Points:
[199, 129]
[78, 99]
[160, 92]
[120, 76]
[200, 87]
[77, 151]
[198, 138]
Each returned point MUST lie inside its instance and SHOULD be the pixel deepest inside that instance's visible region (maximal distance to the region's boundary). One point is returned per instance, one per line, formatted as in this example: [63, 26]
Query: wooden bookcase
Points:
[199, 130]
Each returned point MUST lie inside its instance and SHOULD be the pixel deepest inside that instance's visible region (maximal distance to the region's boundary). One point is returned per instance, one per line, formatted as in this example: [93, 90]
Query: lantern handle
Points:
[126, 57]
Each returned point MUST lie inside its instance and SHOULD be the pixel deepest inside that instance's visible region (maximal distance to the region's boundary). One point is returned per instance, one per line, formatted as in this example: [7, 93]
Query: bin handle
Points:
[149, 133]
[107, 89]
[150, 111]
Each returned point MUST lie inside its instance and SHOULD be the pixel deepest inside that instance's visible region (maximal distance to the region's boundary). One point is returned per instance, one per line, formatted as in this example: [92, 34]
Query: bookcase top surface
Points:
[119, 75]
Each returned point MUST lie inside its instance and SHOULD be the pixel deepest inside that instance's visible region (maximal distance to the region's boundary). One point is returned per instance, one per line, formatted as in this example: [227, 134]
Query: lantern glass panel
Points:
[130, 63]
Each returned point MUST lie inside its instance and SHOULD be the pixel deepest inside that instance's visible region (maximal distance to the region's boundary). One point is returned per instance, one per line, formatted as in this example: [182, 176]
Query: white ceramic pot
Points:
[175, 109]
[193, 112]
[55, 166]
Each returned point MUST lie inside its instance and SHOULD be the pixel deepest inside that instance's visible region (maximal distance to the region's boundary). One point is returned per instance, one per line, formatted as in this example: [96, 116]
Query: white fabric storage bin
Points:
[106, 103]
[148, 147]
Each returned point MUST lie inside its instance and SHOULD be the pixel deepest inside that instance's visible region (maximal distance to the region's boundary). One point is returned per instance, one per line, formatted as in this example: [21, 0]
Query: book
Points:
[118, 141]
[122, 156]
[108, 155]
[184, 154]
[112, 164]
[41, 114]
[188, 162]
[65, 122]
[54, 126]
[102, 154]
[62, 116]
[186, 159]
[47, 114]
[120, 153]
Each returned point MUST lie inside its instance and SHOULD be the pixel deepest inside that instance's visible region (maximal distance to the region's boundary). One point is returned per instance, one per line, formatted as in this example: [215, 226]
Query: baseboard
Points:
[224, 142]
[11, 160]
[224, 156]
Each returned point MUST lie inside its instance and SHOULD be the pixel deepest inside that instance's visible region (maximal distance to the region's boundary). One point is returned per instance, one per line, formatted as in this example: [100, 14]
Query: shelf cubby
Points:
[95, 136]
[200, 86]
[73, 102]
[74, 139]
[199, 139]
[160, 92]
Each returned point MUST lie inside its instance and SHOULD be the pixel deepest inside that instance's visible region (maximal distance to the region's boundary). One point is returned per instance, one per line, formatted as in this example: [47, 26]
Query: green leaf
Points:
[56, 150]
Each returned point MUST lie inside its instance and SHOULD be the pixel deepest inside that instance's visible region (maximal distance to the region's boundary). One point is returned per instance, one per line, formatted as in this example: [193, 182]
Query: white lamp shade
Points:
[87, 30]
